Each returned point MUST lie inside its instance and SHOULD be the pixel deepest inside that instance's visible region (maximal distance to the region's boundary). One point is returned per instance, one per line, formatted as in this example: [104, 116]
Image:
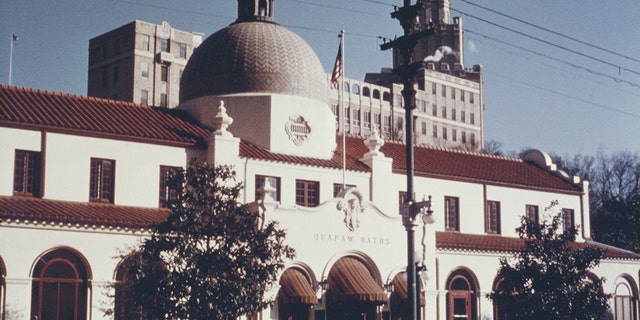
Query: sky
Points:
[559, 76]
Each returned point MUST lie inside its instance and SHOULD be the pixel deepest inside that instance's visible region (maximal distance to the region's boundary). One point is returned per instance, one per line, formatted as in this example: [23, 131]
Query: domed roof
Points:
[255, 56]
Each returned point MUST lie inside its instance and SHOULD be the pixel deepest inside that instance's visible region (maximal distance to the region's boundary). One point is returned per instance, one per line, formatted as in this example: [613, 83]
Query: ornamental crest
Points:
[352, 206]
[298, 129]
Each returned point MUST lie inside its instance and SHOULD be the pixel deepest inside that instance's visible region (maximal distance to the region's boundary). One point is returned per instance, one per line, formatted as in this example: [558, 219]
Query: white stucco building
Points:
[82, 179]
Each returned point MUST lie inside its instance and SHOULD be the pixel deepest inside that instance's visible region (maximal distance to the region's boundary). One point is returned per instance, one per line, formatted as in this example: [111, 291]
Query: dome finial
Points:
[255, 10]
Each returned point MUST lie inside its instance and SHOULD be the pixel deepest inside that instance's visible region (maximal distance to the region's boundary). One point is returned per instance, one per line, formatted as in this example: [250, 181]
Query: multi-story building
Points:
[140, 62]
[82, 179]
[449, 98]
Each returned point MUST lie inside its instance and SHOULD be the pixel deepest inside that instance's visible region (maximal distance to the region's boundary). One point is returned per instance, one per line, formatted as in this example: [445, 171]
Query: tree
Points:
[550, 278]
[213, 258]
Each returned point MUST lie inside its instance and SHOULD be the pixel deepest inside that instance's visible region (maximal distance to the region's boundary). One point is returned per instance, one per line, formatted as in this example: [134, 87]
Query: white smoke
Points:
[440, 53]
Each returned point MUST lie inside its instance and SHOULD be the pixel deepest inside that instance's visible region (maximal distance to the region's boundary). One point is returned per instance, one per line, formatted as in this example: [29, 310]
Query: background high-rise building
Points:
[140, 62]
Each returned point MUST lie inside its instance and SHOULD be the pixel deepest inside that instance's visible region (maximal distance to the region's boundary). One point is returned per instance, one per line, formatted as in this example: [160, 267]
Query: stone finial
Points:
[221, 121]
[374, 142]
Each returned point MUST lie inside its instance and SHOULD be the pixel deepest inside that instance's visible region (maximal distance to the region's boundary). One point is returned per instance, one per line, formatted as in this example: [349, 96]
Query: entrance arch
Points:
[59, 286]
[462, 295]
[354, 290]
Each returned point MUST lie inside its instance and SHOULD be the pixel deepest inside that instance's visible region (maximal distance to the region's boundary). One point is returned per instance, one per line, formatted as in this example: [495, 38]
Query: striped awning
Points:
[295, 287]
[400, 285]
[350, 281]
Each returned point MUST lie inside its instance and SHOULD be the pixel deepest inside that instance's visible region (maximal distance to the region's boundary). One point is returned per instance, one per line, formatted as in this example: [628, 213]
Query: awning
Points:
[296, 288]
[350, 281]
[399, 294]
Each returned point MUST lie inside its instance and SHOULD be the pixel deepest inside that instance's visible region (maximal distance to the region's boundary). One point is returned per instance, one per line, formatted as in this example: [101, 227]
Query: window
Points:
[377, 118]
[471, 95]
[492, 217]
[424, 128]
[387, 124]
[59, 287]
[444, 90]
[435, 131]
[273, 183]
[104, 76]
[386, 96]
[164, 73]
[144, 69]
[26, 173]
[624, 302]
[183, 50]
[473, 139]
[168, 192]
[307, 193]
[337, 188]
[461, 95]
[463, 137]
[568, 219]
[144, 97]
[163, 100]
[423, 105]
[356, 117]
[102, 180]
[434, 110]
[454, 135]
[453, 93]
[462, 116]
[397, 102]
[453, 114]
[116, 74]
[433, 88]
[531, 213]
[451, 213]
[376, 94]
[444, 133]
[472, 118]
[444, 112]
[145, 42]
[355, 89]
[165, 45]
[367, 120]
[365, 91]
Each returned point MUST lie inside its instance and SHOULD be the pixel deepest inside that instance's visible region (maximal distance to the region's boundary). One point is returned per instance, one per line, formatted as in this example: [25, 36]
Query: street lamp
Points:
[408, 16]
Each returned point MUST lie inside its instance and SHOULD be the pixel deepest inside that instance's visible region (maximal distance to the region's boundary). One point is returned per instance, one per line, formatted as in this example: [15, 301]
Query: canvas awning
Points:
[400, 285]
[350, 281]
[295, 287]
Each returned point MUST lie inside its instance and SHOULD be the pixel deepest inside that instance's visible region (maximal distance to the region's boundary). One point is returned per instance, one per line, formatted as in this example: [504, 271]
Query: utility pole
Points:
[408, 16]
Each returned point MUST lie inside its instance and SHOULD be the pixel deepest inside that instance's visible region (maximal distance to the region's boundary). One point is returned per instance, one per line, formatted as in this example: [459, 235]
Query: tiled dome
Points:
[255, 56]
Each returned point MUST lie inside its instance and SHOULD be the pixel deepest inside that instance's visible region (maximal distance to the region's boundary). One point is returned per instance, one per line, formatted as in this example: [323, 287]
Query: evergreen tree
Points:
[550, 278]
[213, 258]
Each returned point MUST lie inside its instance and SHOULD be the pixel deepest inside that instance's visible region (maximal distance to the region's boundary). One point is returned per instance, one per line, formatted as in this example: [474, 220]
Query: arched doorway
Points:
[354, 291]
[60, 283]
[296, 295]
[462, 296]
[399, 299]
[499, 312]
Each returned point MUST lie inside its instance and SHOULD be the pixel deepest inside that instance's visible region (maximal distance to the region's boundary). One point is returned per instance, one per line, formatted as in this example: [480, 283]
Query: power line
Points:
[633, 84]
[549, 43]
[551, 31]
[564, 95]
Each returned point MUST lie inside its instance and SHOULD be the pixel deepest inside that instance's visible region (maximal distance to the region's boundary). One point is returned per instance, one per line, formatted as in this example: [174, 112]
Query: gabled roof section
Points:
[77, 214]
[433, 162]
[59, 112]
[455, 241]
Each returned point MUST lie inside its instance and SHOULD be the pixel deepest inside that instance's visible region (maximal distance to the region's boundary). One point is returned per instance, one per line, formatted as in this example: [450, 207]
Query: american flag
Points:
[337, 69]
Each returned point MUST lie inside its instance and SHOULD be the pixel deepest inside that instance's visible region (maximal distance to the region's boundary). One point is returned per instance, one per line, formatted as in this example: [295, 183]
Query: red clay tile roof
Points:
[433, 162]
[60, 112]
[497, 244]
[91, 215]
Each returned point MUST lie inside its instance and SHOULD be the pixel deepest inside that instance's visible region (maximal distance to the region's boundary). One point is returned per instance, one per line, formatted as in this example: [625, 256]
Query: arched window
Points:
[376, 94]
[386, 96]
[462, 296]
[3, 275]
[366, 92]
[625, 297]
[59, 289]
[346, 87]
[499, 312]
[355, 89]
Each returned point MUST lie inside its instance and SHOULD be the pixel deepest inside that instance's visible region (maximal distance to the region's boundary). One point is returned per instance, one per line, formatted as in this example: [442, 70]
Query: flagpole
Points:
[11, 57]
[342, 107]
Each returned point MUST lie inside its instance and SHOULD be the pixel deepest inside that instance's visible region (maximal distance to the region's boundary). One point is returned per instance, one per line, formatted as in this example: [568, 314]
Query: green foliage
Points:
[211, 259]
[550, 277]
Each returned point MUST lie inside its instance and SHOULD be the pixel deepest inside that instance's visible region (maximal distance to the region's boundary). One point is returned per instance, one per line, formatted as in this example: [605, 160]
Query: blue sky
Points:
[542, 90]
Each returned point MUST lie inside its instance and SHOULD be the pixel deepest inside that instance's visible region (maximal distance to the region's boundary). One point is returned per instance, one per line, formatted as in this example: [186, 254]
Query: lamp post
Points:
[408, 16]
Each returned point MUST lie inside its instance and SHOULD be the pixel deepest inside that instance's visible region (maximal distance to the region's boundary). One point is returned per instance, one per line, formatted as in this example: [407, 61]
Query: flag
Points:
[337, 69]
[15, 37]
